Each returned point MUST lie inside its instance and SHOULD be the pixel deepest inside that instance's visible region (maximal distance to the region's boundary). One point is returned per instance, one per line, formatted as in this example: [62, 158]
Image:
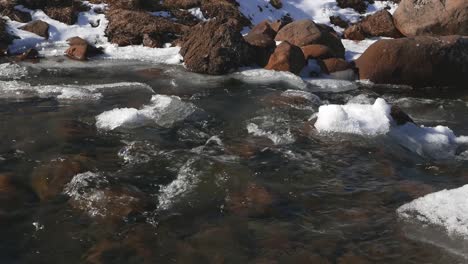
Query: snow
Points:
[163, 111]
[196, 12]
[447, 209]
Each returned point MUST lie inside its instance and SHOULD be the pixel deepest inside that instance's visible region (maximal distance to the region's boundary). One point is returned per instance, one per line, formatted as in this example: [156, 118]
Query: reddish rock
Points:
[380, 24]
[38, 27]
[354, 32]
[317, 51]
[214, 47]
[334, 65]
[80, 49]
[277, 25]
[419, 61]
[287, 57]
[129, 27]
[305, 32]
[432, 17]
[253, 201]
[261, 38]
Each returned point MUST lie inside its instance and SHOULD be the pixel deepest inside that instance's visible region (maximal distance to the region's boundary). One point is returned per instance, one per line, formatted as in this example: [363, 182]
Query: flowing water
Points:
[239, 176]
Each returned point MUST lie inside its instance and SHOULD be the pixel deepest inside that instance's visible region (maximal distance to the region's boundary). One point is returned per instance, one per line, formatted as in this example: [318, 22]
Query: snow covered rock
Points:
[418, 61]
[287, 57]
[215, 47]
[432, 17]
[305, 32]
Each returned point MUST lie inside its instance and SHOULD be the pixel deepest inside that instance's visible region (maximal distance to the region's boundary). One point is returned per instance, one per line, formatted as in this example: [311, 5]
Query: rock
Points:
[224, 10]
[261, 38]
[379, 24]
[432, 17]
[317, 51]
[276, 4]
[278, 24]
[152, 41]
[67, 15]
[37, 27]
[354, 32]
[305, 32]
[334, 65]
[129, 27]
[181, 4]
[254, 200]
[286, 57]
[135, 5]
[30, 54]
[399, 116]
[358, 5]
[80, 49]
[49, 180]
[5, 38]
[215, 47]
[16, 15]
[339, 21]
[418, 61]
[12, 195]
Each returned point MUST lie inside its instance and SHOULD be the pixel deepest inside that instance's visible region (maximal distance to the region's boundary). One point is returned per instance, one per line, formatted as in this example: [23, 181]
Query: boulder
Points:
[152, 41]
[418, 61]
[358, 5]
[80, 49]
[317, 51]
[128, 27]
[354, 32]
[214, 47]
[334, 65]
[379, 24]
[37, 27]
[67, 15]
[287, 57]
[305, 32]
[339, 21]
[224, 10]
[262, 39]
[278, 24]
[432, 17]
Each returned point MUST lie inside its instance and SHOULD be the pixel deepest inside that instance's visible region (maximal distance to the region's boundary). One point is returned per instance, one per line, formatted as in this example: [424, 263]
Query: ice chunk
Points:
[260, 76]
[447, 209]
[331, 85]
[163, 110]
[355, 118]
[275, 136]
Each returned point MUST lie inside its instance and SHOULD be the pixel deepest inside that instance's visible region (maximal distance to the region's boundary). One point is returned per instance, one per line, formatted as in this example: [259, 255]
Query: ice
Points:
[312, 98]
[447, 209]
[262, 76]
[12, 71]
[276, 137]
[331, 85]
[360, 119]
[163, 111]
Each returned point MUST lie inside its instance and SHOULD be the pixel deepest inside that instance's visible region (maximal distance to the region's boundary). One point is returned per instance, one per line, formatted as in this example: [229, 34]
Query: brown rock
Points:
[419, 61]
[432, 17]
[224, 10]
[12, 195]
[277, 25]
[287, 57]
[152, 41]
[334, 65]
[30, 54]
[339, 21]
[38, 27]
[305, 32]
[253, 201]
[129, 27]
[354, 32]
[80, 49]
[358, 5]
[181, 4]
[67, 15]
[16, 15]
[380, 24]
[215, 47]
[317, 51]
[48, 180]
[261, 38]
[399, 116]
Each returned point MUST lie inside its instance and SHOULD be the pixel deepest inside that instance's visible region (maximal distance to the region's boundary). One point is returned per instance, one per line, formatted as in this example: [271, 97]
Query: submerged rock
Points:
[287, 57]
[419, 61]
[215, 47]
[254, 200]
[305, 32]
[432, 17]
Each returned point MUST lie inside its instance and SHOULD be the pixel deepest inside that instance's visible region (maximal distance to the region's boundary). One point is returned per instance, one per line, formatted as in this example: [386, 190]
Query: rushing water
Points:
[243, 179]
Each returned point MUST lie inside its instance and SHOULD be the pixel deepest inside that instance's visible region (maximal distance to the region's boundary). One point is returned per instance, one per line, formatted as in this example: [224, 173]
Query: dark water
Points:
[205, 190]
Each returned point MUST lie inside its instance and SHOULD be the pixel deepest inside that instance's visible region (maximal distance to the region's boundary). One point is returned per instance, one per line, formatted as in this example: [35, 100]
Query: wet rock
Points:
[49, 180]
[12, 196]
[254, 200]
[129, 27]
[276, 4]
[399, 116]
[215, 47]
[286, 57]
[248, 147]
[73, 130]
[339, 21]
[432, 17]
[305, 32]
[224, 10]
[354, 32]
[334, 65]
[80, 49]
[16, 15]
[29, 55]
[358, 5]
[38, 27]
[317, 51]
[419, 61]
[379, 24]
[262, 39]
